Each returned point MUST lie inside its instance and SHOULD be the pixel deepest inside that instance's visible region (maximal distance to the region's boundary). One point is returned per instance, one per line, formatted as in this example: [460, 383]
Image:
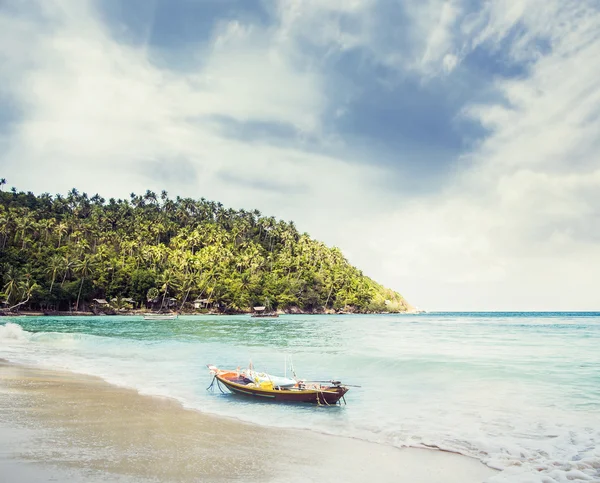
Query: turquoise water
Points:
[519, 391]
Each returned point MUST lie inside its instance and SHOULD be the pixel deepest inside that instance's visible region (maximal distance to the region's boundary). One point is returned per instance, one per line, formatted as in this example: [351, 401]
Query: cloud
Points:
[98, 114]
[180, 172]
[449, 148]
[518, 227]
[449, 62]
[262, 182]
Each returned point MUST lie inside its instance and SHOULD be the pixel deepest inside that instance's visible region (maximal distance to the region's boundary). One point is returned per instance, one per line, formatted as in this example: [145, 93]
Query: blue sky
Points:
[448, 147]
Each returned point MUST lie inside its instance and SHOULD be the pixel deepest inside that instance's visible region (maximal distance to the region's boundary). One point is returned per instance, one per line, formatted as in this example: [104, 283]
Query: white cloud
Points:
[321, 22]
[516, 228]
[100, 116]
[437, 20]
[248, 77]
[449, 62]
[519, 228]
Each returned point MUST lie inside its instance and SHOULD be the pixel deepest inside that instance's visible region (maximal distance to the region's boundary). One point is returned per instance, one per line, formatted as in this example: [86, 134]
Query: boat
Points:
[160, 316]
[261, 311]
[273, 388]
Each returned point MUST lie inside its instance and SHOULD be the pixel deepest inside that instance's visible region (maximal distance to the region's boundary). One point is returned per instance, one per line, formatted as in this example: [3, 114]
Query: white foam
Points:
[11, 331]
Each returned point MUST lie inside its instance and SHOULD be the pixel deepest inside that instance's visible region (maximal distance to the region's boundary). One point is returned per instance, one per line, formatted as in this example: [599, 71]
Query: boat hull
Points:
[325, 396]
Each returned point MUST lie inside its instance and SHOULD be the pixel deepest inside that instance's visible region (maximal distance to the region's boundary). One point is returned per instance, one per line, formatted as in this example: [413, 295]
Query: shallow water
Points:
[521, 392]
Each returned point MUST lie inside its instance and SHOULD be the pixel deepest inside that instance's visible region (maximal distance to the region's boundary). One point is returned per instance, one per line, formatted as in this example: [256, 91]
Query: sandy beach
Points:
[61, 426]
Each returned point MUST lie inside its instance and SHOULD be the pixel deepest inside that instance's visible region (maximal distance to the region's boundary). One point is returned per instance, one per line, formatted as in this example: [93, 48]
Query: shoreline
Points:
[83, 426]
[32, 313]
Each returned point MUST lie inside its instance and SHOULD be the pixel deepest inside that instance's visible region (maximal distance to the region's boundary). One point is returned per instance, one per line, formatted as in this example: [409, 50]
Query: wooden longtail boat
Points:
[303, 392]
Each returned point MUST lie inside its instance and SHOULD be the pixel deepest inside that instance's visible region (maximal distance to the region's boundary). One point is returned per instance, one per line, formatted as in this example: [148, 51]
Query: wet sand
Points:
[66, 427]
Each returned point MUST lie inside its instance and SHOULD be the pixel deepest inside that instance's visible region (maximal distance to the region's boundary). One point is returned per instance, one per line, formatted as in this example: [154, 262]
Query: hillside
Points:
[61, 252]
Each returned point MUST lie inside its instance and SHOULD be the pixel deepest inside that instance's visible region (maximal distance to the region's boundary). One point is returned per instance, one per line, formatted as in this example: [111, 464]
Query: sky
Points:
[449, 148]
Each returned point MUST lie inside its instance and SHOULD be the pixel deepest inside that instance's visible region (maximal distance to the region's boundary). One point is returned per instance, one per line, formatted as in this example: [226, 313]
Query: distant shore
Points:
[61, 426]
[39, 313]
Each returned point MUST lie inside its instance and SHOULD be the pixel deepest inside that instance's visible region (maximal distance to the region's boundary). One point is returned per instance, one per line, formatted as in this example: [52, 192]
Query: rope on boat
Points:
[212, 383]
[211, 387]
[320, 391]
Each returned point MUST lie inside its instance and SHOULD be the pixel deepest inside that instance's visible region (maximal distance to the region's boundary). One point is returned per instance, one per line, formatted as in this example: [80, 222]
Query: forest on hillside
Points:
[59, 253]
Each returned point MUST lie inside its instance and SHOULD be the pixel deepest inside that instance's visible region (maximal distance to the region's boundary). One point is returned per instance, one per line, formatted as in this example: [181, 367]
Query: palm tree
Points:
[185, 284]
[167, 278]
[4, 228]
[24, 223]
[84, 268]
[61, 230]
[2, 183]
[55, 264]
[66, 266]
[11, 286]
[26, 287]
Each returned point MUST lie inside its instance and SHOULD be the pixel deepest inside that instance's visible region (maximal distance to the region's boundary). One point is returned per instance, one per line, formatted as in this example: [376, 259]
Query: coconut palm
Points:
[84, 268]
[11, 286]
[55, 265]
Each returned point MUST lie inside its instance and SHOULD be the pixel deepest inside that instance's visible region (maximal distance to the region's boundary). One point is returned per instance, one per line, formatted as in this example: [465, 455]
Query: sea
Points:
[518, 391]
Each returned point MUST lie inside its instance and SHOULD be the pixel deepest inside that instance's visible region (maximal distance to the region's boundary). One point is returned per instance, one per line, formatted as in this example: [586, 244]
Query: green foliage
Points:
[152, 294]
[142, 281]
[60, 252]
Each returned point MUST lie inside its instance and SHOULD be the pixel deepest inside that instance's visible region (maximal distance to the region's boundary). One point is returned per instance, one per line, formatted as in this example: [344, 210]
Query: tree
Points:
[11, 286]
[55, 264]
[84, 268]
[141, 282]
[152, 294]
[166, 279]
[181, 248]
[21, 288]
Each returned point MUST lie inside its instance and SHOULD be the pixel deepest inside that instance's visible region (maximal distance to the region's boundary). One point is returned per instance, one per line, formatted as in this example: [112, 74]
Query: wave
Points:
[14, 332]
[11, 331]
